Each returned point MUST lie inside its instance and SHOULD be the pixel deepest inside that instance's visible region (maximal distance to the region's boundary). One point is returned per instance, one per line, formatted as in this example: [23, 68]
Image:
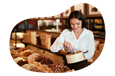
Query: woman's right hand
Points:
[67, 45]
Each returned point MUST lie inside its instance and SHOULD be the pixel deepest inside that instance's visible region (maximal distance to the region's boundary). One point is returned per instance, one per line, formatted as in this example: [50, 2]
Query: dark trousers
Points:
[78, 65]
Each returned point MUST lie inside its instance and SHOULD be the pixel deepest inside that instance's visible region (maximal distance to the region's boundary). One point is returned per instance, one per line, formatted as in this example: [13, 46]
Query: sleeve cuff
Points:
[61, 46]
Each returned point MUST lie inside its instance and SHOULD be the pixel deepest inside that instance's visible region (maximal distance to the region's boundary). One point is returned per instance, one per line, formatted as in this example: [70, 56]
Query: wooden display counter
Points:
[58, 57]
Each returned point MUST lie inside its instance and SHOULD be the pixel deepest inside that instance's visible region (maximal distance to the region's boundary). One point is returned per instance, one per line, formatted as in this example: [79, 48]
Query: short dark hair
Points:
[78, 15]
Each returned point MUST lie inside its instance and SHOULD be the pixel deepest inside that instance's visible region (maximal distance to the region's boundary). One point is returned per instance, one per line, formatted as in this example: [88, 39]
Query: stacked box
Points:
[33, 37]
[27, 38]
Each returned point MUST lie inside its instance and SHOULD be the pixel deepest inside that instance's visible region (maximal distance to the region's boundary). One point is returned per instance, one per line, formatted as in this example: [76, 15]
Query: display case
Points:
[98, 24]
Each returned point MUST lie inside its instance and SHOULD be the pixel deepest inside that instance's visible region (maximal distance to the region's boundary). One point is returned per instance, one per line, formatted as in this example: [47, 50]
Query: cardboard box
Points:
[43, 37]
[48, 41]
[33, 38]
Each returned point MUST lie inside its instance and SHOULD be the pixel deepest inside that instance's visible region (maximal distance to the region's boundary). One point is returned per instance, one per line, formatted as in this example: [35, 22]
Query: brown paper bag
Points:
[43, 37]
[27, 38]
[48, 41]
[33, 38]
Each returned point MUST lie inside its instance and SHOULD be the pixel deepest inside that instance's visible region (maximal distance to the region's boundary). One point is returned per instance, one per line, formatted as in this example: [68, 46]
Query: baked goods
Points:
[70, 70]
[31, 58]
[21, 62]
[44, 60]
[58, 68]
[18, 51]
[35, 69]
[14, 56]
[38, 63]
[26, 54]
[18, 59]
[22, 53]
[21, 49]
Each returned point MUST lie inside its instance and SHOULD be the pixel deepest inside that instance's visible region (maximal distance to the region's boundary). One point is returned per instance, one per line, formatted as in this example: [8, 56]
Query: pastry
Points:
[59, 68]
[31, 58]
[35, 69]
[21, 62]
[18, 58]
[44, 60]
[37, 64]
[26, 54]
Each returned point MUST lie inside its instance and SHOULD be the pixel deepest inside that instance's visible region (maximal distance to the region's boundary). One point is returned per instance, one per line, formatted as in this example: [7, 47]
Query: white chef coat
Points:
[85, 42]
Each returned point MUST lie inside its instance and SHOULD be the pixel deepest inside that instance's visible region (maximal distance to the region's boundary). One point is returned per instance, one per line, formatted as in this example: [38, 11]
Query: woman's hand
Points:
[67, 45]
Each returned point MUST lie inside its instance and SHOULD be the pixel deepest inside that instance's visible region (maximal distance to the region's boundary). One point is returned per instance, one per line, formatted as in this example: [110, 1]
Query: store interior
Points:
[30, 41]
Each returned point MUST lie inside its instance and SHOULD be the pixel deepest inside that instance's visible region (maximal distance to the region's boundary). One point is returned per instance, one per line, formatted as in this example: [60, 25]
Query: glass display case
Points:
[98, 25]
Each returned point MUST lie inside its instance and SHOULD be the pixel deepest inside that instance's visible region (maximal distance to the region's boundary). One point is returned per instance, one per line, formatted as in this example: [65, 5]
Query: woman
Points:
[76, 37]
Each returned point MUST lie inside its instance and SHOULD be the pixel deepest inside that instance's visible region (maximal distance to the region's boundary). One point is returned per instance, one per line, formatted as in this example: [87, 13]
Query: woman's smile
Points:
[75, 28]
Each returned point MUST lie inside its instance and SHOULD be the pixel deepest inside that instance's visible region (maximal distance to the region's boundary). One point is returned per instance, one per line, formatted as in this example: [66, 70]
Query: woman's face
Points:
[76, 24]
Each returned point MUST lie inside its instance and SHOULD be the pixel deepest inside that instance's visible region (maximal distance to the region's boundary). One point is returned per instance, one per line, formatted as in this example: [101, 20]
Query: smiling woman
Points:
[77, 36]
[76, 15]
[75, 23]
